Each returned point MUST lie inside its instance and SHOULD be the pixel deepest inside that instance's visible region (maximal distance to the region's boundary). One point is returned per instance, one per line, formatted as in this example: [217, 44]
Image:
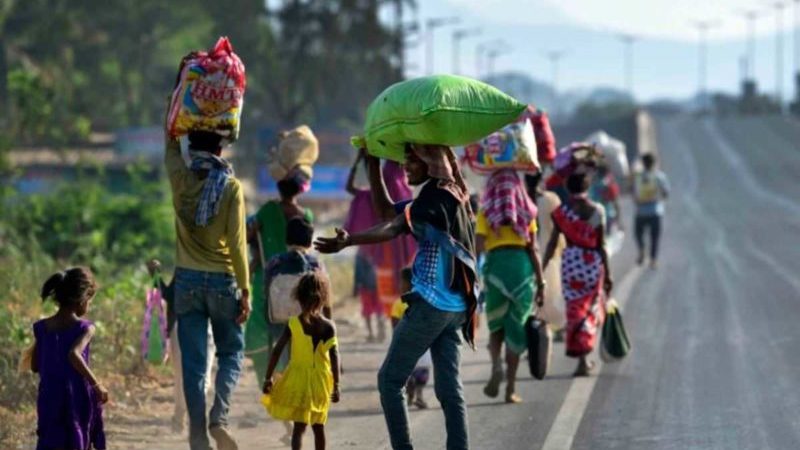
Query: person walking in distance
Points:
[443, 285]
[211, 267]
[650, 190]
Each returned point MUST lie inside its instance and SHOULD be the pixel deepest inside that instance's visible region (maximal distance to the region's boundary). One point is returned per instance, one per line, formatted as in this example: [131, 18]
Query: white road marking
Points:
[569, 417]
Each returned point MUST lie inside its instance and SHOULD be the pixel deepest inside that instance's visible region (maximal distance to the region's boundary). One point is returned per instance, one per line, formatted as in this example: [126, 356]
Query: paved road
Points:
[715, 363]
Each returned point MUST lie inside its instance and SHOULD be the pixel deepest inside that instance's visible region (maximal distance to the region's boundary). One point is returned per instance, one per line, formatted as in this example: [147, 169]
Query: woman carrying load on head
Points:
[506, 231]
[267, 232]
[387, 258]
[585, 272]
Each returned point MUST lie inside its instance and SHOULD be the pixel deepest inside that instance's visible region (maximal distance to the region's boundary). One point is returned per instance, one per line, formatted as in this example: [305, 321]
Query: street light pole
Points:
[482, 49]
[430, 26]
[779, 5]
[628, 40]
[555, 56]
[458, 36]
[750, 17]
[491, 56]
[702, 27]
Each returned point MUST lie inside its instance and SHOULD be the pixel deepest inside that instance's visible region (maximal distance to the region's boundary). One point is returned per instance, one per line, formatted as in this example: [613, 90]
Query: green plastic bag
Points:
[615, 343]
[440, 109]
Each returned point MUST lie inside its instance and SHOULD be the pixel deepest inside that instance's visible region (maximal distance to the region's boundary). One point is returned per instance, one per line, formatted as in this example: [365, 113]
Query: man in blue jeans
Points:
[442, 298]
[211, 266]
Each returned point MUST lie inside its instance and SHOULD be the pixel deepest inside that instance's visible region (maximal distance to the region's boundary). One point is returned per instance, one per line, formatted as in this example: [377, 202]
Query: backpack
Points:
[646, 188]
[281, 302]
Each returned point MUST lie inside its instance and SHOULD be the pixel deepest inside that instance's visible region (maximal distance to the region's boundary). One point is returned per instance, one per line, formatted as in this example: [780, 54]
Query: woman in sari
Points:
[585, 271]
[506, 231]
[378, 267]
[268, 231]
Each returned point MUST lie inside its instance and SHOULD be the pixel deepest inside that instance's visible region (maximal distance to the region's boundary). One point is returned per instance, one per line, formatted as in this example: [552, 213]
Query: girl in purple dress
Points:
[70, 396]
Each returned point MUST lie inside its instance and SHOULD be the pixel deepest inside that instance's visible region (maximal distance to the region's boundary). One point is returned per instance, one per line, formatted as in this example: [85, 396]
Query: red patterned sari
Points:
[582, 276]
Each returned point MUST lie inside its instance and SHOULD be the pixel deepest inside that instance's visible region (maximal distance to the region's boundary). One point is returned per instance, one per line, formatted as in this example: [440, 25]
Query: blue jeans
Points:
[201, 297]
[424, 327]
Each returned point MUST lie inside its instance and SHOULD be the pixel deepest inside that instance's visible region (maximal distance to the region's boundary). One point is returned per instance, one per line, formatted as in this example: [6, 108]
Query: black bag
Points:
[540, 346]
[615, 344]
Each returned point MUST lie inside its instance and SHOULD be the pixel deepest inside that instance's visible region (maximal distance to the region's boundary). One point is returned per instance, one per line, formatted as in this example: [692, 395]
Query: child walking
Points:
[311, 381]
[168, 294]
[419, 377]
[70, 396]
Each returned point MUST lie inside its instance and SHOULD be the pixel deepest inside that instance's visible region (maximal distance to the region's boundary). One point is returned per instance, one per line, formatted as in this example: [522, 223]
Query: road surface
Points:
[715, 363]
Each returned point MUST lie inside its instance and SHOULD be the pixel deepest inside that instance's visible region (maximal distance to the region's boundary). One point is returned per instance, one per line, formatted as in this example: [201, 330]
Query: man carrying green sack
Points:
[441, 109]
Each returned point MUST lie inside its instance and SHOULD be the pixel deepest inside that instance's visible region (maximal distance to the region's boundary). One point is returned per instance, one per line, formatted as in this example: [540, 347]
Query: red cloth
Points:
[505, 202]
[370, 303]
[545, 139]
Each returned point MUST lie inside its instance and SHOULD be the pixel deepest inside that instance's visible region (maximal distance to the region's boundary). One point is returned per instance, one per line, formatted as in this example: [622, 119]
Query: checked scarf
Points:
[505, 202]
[219, 170]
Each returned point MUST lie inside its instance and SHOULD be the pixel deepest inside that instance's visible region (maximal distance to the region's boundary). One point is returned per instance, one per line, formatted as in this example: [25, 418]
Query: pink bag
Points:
[209, 93]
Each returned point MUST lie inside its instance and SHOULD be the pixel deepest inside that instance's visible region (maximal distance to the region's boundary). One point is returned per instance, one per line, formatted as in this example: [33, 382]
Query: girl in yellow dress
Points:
[311, 381]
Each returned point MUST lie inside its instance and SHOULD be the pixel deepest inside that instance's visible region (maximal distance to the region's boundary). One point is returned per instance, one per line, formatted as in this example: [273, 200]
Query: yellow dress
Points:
[399, 308]
[303, 393]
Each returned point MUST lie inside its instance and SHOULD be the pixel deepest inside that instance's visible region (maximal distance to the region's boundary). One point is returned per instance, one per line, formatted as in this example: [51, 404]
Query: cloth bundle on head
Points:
[505, 202]
[577, 157]
[443, 167]
[219, 171]
[298, 149]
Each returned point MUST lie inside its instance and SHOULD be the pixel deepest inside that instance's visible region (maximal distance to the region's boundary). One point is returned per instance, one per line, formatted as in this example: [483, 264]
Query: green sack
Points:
[440, 109]
[615, 343]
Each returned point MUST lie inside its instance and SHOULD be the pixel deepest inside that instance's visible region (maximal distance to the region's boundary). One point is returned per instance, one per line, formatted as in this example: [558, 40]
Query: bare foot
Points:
[584, 369]
[513, 398]
[492, 388]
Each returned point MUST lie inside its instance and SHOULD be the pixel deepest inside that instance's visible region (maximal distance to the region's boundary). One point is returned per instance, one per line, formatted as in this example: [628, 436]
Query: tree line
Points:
[70, 67]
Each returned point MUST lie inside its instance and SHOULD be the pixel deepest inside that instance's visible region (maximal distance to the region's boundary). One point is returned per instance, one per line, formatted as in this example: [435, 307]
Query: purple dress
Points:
[69, 412]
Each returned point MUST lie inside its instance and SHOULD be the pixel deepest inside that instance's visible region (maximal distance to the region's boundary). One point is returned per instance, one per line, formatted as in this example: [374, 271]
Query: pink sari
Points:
[391, 257]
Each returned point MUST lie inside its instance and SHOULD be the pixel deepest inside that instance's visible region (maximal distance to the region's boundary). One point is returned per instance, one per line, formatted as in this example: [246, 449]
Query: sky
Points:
[665, 51]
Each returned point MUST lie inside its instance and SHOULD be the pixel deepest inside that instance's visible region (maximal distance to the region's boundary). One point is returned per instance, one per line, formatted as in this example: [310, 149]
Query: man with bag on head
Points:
[211, 278]
[443, 292]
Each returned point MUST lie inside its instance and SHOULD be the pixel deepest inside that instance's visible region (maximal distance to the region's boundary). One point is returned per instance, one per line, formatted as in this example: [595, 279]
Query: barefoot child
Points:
[69, 399]
[311, 381]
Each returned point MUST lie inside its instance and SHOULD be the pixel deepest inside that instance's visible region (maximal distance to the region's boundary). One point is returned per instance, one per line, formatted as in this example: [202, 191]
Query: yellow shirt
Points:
[221, 245]
[505, 235]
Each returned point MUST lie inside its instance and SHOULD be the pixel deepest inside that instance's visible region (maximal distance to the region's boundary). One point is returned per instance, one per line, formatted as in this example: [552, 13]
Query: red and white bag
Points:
[209, 93]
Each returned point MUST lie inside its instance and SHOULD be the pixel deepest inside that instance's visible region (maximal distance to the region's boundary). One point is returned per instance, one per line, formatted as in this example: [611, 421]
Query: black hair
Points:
[649, 160]
[532, 181]
[289, 188]
[206, 141]
[70, 287]
[474, 200]
[299, 232]
[312, 292]
[578, 183]
[406, 274]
